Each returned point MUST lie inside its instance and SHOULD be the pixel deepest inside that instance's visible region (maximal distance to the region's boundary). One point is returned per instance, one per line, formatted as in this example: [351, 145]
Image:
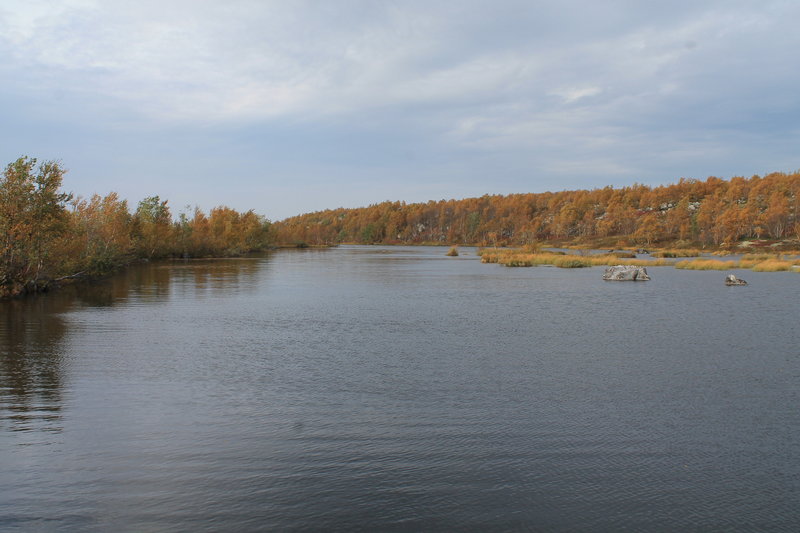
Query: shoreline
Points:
[694, 259]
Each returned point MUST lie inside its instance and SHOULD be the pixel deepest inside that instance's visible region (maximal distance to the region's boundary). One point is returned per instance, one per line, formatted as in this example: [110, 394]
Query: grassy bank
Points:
[524, 258]
[515, 258]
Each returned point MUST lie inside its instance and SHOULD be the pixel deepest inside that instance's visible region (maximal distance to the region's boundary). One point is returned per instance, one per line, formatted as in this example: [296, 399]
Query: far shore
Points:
[756, 256]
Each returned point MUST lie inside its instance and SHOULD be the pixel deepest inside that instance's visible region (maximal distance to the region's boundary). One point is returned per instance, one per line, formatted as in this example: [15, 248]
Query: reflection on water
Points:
[31, 365]
[32, 329]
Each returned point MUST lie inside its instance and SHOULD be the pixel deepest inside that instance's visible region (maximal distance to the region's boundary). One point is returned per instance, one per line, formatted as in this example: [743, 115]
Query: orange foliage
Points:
[713, 211]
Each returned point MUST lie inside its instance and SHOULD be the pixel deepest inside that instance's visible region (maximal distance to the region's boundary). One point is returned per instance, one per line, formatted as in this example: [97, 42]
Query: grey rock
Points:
[626, 273]
[731, 281]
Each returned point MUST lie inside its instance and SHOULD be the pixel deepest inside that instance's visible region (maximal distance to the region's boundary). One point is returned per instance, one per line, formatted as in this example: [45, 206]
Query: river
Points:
[396, 389]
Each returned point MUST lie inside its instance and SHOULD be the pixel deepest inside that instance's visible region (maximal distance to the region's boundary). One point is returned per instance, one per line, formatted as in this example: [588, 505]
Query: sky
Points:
[292, 106]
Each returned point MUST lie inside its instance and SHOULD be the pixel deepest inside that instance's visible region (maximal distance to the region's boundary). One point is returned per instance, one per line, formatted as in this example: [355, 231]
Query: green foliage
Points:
[368, 233]
[153, 228]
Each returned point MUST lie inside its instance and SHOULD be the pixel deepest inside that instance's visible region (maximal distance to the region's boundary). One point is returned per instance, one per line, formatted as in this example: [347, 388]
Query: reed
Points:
[749, 263]
[569, 261]
[612, 259]
[706, 264]
[522, 259]
[532, 247]
[673, 253]
[519, 258]
[557, 260]
[518, 263]
[773, 265]
[452, 252]
[759, 257]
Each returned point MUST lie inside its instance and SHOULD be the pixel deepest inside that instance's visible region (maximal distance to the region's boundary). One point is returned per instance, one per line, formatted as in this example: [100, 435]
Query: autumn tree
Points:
[32, 216]
[153, 228]
[776, 216]
[103, 227]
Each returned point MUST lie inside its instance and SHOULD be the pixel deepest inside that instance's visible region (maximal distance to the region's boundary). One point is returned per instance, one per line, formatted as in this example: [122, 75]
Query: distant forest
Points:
[48, 235]
[712, 212]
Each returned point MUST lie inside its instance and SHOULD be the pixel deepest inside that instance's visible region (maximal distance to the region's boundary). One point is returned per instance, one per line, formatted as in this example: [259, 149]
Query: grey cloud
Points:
[534, 94]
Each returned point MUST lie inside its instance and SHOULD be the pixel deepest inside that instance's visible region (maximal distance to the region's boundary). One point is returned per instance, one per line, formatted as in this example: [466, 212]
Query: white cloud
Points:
[573, 94]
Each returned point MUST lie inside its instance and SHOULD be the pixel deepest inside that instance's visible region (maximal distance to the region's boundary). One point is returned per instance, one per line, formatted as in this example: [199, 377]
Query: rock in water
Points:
[732, 280]
[626, 273]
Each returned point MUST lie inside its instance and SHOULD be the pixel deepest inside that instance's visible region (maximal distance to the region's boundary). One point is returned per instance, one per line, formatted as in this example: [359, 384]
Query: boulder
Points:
[731, 280]
[626, 273]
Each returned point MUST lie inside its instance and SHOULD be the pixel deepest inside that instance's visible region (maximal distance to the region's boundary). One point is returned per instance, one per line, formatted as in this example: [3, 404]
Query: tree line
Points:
[49, 235]
[711, 212]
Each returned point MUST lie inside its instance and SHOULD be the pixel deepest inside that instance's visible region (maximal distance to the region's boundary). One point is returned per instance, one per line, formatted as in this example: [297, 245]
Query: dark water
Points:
[384, 389]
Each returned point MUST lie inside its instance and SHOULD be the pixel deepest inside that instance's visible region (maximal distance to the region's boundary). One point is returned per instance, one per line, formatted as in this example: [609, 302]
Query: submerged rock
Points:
[626, 273]
[732, 280]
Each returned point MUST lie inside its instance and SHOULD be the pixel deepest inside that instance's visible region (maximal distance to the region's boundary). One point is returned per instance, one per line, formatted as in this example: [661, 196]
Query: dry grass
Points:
[759, 257]
[676, 253]
[749, 263]
[519, 258]
[452, 252]
[568, 261]
[773, 265]
[531, 248]
[522, 259]
[613, 259]
[707, 264]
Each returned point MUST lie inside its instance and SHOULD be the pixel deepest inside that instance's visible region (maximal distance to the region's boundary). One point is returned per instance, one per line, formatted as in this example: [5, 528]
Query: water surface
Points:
[394, 388]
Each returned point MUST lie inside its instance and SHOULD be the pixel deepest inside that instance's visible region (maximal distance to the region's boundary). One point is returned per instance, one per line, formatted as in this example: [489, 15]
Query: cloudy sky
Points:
[292, 106]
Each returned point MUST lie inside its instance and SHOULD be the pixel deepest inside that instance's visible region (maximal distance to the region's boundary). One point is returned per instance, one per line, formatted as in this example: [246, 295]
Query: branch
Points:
[76, 275]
